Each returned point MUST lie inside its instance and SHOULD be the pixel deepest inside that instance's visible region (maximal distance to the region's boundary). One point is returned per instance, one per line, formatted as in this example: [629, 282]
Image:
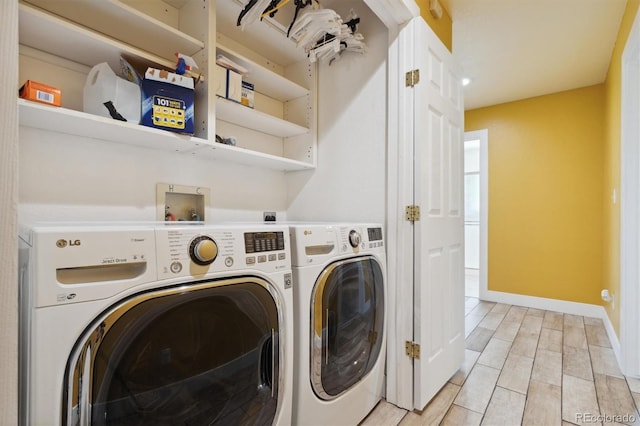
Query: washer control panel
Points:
[195, 250]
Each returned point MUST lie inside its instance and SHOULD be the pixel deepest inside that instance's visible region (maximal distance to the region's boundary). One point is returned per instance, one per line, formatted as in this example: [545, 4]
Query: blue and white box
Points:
[167, 101]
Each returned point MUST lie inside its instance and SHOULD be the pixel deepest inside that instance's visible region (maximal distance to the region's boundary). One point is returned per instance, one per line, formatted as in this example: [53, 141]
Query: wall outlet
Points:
[269, 216]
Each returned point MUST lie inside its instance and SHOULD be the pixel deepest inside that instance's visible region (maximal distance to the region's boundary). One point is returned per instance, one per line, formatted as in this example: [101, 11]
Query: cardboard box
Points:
[167, 101]
[247, 94]
[40, 92]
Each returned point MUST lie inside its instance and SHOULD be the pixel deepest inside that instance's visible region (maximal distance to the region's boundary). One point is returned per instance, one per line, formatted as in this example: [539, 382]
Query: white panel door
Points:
[439, 234]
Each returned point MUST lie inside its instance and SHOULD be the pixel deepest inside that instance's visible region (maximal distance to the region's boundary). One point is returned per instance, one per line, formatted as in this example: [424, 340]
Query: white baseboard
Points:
[563, 306]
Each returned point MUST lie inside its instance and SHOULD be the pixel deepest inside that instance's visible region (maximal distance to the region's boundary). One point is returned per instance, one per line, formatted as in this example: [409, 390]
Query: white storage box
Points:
[221, 81]
[234, 86]
[104, 85]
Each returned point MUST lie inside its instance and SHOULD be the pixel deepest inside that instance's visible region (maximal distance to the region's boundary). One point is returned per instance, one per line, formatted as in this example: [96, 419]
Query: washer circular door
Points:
[347, 320]
[206, 353]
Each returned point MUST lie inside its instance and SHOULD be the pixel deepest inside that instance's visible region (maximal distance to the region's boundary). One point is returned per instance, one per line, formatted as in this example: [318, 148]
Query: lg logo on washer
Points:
[64, 243]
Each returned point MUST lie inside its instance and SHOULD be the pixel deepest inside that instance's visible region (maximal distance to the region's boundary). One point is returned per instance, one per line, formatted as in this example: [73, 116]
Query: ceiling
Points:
[517, 49]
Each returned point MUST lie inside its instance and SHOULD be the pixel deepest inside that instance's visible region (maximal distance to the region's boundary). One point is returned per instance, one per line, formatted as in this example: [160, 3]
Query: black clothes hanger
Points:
[300, 4]
[353, 24]
[272, 9]
[244, 11]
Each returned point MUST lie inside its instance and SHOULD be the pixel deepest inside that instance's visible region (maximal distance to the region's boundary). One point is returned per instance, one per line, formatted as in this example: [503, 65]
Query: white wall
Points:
[65, 177]
[349, 183]
[8, 226]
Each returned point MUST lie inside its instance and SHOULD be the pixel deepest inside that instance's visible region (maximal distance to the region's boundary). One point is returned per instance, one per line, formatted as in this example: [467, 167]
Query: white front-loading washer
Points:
[156, 324]
[339, 309]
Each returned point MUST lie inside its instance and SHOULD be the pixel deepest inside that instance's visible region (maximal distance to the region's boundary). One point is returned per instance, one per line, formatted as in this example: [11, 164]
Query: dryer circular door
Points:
[346, 324]
[206, 353]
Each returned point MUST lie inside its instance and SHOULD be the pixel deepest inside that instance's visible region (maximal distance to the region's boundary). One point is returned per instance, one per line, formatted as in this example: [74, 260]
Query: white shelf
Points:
[266, 81]
[67, 121]
[90, 32]
[248, 157]
[122, 22]
[250, 118]
[58, 37]
[64, 120]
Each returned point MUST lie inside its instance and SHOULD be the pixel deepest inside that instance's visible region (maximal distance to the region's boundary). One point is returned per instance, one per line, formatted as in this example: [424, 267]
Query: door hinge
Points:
[412, 78]
[412, 213]
[412, 349]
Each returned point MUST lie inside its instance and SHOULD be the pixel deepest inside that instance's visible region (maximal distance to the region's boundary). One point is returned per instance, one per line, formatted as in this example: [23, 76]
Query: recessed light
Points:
[466, 81]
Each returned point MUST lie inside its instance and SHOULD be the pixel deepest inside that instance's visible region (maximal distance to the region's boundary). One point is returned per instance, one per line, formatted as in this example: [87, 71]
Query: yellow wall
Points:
[611, 264]
[545, 194]
[442, 27]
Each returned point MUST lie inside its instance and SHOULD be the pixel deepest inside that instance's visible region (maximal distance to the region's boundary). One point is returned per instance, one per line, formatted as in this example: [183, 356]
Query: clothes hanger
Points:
[252, 12]
[300, 4]
[313, 25]
[272, 9]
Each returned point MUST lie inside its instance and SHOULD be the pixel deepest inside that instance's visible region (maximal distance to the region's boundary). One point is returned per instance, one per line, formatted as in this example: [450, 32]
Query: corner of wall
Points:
[443, 27]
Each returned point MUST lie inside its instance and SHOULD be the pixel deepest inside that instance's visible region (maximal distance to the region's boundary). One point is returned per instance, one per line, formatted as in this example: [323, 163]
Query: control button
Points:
[282, 256]
[251, 260]
[228, 261]
[272, 257]
[176, 267]
[354, 238]
[203, 250]
[262, 259]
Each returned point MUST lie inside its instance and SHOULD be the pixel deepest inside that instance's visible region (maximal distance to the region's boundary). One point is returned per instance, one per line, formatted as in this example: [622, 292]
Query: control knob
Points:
[354, 238]
[203, 250]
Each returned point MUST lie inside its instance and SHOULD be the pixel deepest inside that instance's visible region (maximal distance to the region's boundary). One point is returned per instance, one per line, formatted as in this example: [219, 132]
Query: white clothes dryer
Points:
[339, 309]
[156, 324]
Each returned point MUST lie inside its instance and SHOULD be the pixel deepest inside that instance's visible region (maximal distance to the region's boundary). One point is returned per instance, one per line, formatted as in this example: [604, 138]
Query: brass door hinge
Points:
[411, 78]
[412, 213]
[412, 349]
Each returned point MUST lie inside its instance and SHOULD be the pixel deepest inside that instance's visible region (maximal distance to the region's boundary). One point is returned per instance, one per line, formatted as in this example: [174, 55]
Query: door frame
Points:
[399, 387]
[483, 137]
[400, 232]
[630, 204]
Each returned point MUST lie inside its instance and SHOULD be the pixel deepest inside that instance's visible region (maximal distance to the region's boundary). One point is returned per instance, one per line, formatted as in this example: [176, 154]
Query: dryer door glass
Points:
[347, 329]
[203, 354]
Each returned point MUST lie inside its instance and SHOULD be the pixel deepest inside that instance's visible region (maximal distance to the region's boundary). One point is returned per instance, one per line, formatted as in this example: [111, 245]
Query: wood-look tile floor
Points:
[526, 366]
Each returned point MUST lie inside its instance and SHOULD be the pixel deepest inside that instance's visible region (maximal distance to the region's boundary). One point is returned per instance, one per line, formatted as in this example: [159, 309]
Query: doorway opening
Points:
[475, 212]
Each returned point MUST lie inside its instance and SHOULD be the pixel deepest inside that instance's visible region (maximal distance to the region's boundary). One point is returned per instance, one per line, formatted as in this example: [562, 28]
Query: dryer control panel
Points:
[318, 243]
[356, 239]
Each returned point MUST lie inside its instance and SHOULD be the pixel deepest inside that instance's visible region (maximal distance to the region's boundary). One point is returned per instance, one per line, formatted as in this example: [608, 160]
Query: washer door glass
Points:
[203, 354]
[347, 325]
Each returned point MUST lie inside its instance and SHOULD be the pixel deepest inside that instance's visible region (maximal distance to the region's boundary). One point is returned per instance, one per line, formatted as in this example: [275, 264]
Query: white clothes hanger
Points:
[313, 25]
[253, 14]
